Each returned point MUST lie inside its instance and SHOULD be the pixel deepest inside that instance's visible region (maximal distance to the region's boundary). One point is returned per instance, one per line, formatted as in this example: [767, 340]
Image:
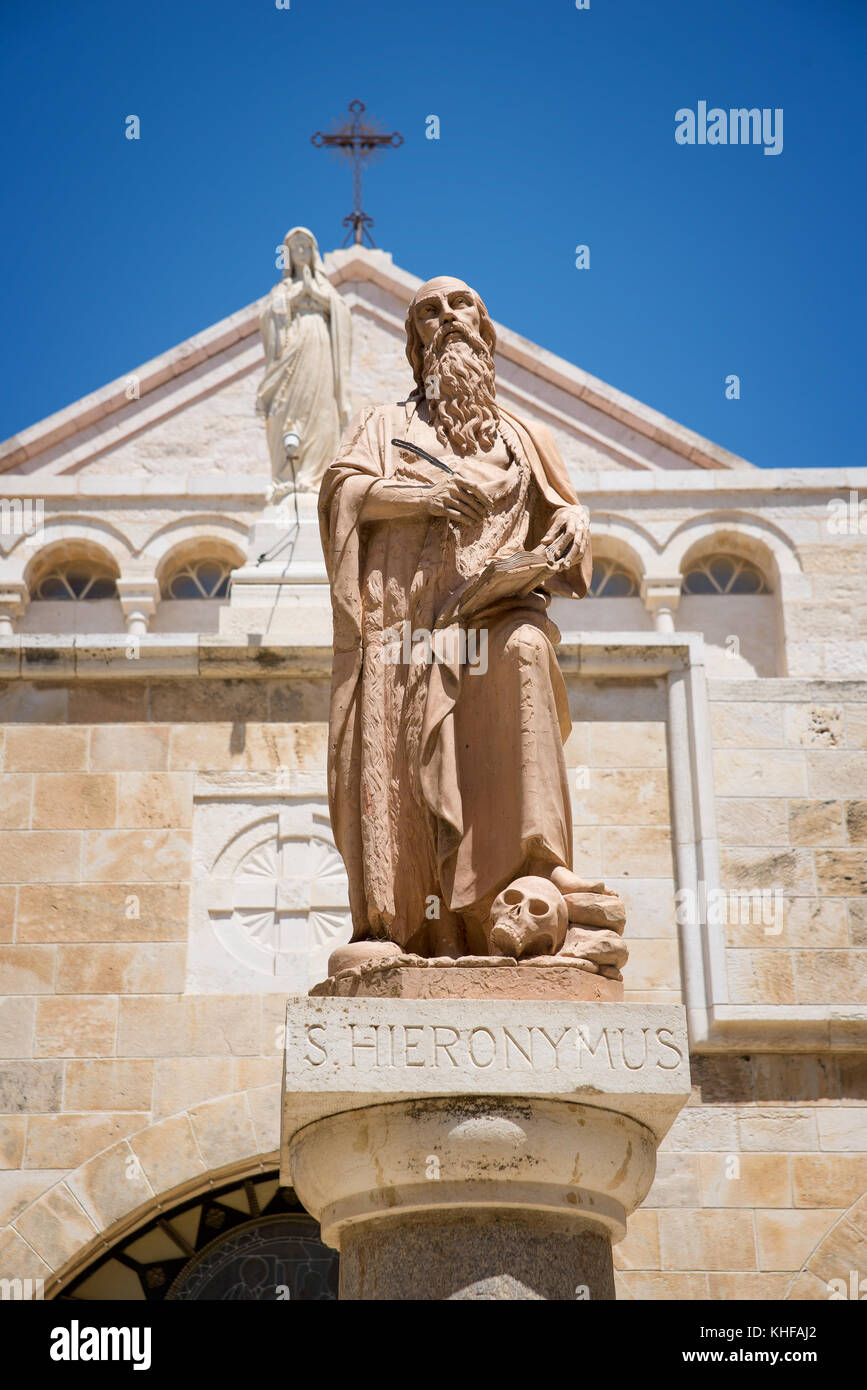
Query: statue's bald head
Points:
[432, 303]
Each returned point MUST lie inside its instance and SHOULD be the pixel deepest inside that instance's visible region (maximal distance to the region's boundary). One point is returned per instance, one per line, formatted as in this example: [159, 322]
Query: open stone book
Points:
[511, 575]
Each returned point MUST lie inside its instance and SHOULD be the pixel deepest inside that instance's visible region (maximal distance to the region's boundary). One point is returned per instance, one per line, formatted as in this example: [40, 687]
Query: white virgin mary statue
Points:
[304, 395]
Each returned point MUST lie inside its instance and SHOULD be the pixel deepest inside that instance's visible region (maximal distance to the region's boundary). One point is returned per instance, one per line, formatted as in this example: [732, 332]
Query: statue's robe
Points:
[445, 779]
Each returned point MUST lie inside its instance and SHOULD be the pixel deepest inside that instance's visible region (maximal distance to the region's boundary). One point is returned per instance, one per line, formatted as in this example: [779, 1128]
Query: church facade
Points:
[168, 873]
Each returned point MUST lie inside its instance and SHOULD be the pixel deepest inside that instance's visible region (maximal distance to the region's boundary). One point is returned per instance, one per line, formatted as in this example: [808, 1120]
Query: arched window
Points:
[611, 580]
[76, 579]
[197, 579]
[724, 574]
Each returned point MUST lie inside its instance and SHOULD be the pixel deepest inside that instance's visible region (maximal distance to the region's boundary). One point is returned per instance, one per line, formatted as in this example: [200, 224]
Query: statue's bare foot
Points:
[357, 953]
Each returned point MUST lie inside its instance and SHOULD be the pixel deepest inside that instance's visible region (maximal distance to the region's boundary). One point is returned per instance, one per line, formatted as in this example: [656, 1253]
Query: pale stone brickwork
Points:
[167, 873]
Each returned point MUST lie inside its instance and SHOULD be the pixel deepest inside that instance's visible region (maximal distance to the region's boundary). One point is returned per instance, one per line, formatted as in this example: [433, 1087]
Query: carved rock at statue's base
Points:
[473, 977]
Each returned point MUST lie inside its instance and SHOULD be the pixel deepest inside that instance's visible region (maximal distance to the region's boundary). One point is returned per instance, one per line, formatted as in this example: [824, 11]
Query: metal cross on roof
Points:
[359, 142]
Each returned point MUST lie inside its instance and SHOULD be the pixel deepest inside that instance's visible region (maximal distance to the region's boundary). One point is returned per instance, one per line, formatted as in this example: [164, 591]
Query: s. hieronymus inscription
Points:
[531, 1047]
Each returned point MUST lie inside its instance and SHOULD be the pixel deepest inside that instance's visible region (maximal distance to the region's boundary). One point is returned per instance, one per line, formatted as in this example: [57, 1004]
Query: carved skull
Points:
[529, 918]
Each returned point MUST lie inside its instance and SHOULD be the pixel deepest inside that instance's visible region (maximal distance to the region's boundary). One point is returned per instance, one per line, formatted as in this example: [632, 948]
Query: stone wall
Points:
[133, 1067]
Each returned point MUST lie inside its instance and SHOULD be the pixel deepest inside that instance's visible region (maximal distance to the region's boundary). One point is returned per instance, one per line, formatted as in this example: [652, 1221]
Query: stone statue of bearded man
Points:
[447, 523]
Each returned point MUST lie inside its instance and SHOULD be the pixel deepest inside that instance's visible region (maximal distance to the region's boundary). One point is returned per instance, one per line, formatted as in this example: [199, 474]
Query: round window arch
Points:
[203, 577]
[612, 580]
[75, 580]
[247, 1241]
[724, 574]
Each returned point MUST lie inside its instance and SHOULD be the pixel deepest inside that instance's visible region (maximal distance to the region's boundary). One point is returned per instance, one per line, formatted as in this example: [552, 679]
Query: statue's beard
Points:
[460, 391]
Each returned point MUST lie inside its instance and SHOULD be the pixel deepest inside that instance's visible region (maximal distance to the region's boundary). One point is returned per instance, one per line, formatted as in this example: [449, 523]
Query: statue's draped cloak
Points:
[443, 780]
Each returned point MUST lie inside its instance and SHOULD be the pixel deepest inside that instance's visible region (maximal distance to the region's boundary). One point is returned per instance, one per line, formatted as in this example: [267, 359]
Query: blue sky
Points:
[556, 129]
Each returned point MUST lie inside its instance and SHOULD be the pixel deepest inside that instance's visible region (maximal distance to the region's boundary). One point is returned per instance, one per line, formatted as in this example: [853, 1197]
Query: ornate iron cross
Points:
[359, 142]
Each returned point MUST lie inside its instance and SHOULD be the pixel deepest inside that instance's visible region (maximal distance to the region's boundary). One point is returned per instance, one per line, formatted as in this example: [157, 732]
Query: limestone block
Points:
[22, 702]
[155, 800]
[55, 750]
[828, 1180]
[752, 821]
[28, 1086]
[806, 1288]
[108, 1085]
[746, 724]
[210, 701]
[761, 977]
[705, 1240]
[251, 1072]
[224, 1131]
[168, 1153]
[661, 1287]
[129, 747]
[627, 744]
[650, 906]
[111, 1184]
[814, 726]
[814, 823]
[763, 870]
[750, 1287]
[857, 909]
[720, 1079]
[856, 822]
[76, 1027]
[842, 872]
[711, 1129]
[182, 1082]
[653, 964]
[18, 1260]
[74, 800]
[645, 850]
[856, 725]
[843, 1130]
[27, 969]
[69, 1140]
[852, 1072]
[16, 794]
[831, 977]
[56, 1226]
[622, 797]
[786, 1238]
[40, 856]
[576, 749]
[783, 1130]
[676, 1183]
[205, 1026]
[130, 911]
[836, 774]
[108, 703]
[265, 1104]
[745, 1180]
[843, 1249]
[8, 899]
[12, 1132]
[640, 1247]
[807, 922]
[17, 1015]
[19, 1190]
[796, 1079]
[141, 968]
[760, 772]
[131, 856]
